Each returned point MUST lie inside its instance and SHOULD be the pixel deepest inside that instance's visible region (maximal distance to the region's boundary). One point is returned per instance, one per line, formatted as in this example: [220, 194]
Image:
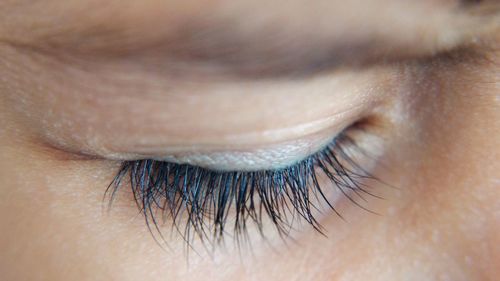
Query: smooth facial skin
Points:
[249, 85]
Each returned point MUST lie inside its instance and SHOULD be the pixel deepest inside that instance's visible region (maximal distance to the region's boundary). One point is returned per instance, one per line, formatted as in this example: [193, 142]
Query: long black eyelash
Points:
[199, 201]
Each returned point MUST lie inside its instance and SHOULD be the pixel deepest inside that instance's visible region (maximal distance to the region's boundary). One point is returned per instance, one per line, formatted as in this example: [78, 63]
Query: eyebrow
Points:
[198, 47]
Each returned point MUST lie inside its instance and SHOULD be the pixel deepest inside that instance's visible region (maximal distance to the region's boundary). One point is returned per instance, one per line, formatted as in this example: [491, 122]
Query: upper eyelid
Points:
[99, 123]
[251, 150]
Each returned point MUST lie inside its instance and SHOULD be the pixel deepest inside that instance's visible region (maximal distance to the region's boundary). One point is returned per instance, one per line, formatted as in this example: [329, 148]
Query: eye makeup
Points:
[208, 204]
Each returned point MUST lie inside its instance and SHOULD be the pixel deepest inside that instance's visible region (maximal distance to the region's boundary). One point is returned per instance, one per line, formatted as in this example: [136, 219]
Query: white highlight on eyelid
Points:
[259, 159]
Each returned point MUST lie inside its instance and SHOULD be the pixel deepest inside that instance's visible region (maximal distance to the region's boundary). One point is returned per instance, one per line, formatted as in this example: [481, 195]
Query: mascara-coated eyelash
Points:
[199, 201]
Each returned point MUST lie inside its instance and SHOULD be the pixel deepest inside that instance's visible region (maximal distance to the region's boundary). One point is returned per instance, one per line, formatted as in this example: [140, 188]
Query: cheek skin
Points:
[468, 152]
[453, 199]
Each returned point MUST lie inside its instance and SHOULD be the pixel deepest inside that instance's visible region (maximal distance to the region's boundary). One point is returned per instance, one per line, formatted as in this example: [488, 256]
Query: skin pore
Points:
[85, 85]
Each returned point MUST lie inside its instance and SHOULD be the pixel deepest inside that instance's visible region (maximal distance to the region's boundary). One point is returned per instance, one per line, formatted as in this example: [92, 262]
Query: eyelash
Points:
[205, 198]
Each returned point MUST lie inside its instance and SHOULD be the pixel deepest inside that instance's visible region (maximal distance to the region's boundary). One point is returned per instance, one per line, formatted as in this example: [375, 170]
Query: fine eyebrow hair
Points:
[266, 52]
[228, 53]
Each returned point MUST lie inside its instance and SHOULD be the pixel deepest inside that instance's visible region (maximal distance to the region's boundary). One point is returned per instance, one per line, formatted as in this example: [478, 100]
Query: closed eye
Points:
[207, 204]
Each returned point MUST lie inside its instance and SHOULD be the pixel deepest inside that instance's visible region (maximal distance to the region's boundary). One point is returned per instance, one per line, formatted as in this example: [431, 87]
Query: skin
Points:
[70, 112]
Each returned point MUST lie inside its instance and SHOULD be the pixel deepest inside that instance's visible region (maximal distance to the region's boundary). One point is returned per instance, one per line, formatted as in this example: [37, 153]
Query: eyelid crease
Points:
[324, 128]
